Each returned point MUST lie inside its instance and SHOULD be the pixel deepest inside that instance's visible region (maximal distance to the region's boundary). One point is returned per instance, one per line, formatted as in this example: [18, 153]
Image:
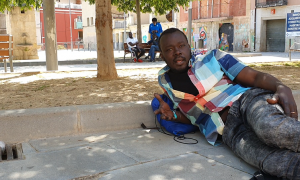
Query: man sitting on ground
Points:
[133, 46]
[253, 112]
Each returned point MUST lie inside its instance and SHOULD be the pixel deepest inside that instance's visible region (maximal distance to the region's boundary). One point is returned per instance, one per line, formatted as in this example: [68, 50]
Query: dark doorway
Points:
[80, 35]
[275, 35]
[227, 28]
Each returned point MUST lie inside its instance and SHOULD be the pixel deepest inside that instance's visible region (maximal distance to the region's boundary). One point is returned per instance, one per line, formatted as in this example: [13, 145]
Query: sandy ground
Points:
[48, 89]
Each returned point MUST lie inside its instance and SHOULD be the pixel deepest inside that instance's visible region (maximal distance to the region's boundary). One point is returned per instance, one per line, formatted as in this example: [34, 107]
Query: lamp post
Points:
[190, 23]
[70, 25]
[124, 27]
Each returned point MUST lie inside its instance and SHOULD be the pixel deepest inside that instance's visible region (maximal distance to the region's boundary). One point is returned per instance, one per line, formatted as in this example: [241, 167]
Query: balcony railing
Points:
[119, 24]
[78, 25]
[270, 3]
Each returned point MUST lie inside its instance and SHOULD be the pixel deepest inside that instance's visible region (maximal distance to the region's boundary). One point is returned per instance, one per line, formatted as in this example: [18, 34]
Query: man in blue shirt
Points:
[155, 27]
[155, 30]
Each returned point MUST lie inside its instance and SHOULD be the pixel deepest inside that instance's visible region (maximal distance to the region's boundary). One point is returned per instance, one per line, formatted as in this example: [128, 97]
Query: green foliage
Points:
[146, 6]
[159, 6]
[24, 4]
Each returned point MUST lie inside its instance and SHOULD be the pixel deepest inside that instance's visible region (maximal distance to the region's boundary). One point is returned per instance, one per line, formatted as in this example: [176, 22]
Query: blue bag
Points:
[175, 128]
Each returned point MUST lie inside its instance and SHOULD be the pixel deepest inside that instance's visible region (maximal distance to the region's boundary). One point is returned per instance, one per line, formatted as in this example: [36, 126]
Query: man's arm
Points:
[132, 44]
[150, 29]
[282, 94]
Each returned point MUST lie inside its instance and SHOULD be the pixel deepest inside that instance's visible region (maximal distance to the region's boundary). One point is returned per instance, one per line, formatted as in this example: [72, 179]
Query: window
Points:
[88, 21]
[92, 21]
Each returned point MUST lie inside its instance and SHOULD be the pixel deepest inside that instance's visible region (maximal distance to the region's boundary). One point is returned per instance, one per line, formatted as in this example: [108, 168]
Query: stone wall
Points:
[22, 25]
[2, 24]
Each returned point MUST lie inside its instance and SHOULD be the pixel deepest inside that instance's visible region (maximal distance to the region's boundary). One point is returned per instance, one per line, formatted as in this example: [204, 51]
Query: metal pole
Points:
[70, 25]
[190, 23]
[290, 44]
[124, 36]
[212, 8]
[174, 18]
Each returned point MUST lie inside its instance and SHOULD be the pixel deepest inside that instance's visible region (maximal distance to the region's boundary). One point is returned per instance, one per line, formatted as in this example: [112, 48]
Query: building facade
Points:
[89, 31]
[212, 18]
[64, 27]
[268, 24]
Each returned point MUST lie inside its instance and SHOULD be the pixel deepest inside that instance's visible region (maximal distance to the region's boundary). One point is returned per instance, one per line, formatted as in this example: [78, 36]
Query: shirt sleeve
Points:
[150, 28]
[230, 65]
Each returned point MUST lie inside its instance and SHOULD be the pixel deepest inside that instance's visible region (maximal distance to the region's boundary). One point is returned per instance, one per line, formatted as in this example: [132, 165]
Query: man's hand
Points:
[164, 109]
[284, 97]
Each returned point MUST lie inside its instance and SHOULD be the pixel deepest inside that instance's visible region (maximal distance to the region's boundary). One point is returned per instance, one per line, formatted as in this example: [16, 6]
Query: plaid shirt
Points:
[213, 75]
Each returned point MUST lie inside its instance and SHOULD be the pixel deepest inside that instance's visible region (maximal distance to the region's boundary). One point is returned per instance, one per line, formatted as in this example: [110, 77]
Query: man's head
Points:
[130, 35]
[175, 50]
[154, 21]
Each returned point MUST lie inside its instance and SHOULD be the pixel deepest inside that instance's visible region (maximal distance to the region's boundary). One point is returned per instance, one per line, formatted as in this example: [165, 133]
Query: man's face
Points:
[154, 22]
[130, 35]
[175, 51]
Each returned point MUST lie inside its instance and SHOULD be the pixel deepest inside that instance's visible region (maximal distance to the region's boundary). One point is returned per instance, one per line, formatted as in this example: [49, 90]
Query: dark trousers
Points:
[263, 136]
[138, 52]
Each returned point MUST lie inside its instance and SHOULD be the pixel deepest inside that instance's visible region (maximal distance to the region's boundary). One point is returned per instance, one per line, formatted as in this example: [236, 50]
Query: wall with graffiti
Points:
[193, 40]
[203, 36]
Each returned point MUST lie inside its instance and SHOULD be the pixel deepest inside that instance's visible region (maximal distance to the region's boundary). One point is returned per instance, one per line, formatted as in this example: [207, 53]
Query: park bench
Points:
[6, 50]
[142, 45]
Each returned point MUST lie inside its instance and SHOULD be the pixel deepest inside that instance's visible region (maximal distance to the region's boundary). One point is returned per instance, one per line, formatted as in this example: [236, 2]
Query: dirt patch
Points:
[48, 89]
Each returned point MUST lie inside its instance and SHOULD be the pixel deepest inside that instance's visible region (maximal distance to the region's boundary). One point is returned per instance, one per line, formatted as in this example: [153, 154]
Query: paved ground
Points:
[78, 60]
[125, 155]
[128, 154]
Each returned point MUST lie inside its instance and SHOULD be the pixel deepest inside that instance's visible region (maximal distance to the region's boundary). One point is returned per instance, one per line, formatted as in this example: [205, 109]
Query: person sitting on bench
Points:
[133, 46]
[154, 47]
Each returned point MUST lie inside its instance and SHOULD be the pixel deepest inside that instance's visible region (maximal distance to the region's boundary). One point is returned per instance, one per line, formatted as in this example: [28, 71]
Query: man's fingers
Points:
[157, 96]
[274, 100]
[292, 111]
[157, 111]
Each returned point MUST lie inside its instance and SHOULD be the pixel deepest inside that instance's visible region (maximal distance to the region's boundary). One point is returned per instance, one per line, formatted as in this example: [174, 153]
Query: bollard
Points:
[2, 146]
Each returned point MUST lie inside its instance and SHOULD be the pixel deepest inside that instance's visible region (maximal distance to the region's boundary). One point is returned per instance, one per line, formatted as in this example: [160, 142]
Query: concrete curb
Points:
[66, 62]
[26, 124]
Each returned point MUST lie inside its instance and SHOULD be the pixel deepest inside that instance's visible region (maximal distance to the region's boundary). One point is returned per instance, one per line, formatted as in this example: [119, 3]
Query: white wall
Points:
[264, 14]
[67, 1]
[89, 32]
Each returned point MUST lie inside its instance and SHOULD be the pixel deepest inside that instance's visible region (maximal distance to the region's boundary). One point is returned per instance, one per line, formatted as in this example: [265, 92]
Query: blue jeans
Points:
[152, 50]
[263, 136]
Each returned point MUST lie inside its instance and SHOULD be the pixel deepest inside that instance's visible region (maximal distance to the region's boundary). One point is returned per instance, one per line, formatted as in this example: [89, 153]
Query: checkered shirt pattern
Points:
[213, 75]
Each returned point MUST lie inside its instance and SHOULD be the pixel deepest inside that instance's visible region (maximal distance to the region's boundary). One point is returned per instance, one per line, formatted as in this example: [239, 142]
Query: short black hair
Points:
[154, 19]
[169, 31]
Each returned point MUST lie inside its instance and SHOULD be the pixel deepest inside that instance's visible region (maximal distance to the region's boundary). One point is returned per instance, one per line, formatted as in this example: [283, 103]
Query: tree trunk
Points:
[50, 35]
[106, 68]
[138, 15]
